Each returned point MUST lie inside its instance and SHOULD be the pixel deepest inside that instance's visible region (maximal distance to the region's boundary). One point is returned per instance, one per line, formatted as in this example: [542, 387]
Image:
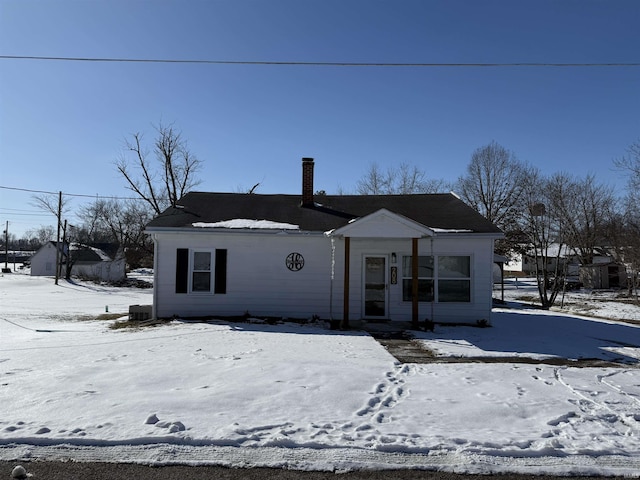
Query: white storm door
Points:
[375, 287]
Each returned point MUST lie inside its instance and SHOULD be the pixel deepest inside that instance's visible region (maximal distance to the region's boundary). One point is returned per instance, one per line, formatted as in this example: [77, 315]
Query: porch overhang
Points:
[382, 224]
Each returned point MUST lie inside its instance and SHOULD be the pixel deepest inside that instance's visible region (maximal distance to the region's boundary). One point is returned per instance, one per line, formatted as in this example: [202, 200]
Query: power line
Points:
[2, 212]
[16, 210]
[323, 64]
[68, 194]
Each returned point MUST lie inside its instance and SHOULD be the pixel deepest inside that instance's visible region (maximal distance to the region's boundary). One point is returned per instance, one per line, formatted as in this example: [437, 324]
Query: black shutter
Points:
[182, 270]
[221, 271]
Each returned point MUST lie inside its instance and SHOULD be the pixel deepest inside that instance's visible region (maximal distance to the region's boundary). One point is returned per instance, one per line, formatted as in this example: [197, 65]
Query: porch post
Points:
[414, 283]
[345, 305]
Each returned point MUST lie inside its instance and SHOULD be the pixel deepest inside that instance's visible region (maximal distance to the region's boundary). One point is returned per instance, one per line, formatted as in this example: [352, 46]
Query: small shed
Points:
[43, 262]
[599, 275]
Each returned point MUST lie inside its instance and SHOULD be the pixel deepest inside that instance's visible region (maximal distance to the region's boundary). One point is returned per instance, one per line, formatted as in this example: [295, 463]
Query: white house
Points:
[87, 262]
[346, 258]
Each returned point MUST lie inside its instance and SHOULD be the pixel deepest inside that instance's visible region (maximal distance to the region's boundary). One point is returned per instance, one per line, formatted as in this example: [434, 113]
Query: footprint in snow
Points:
[173, 427]
[151, 419]
[562, 419]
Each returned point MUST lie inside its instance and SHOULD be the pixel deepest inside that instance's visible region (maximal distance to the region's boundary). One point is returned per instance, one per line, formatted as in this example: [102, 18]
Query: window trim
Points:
[192, 270]
[185, 263]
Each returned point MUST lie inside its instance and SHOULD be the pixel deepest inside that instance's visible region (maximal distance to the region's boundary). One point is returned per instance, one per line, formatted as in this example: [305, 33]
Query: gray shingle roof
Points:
[444, 211]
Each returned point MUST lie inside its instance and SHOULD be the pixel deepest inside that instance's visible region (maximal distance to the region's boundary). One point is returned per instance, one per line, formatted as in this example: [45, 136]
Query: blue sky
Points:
[63, 124]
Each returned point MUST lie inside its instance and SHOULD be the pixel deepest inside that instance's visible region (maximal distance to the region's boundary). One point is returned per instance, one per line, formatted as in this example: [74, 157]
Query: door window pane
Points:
[375, 287]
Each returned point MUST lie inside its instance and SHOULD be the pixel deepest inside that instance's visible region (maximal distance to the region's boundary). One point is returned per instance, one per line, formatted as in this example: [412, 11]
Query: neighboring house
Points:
[562, 258]
[346, 257]
[603, 272]
[87, 262]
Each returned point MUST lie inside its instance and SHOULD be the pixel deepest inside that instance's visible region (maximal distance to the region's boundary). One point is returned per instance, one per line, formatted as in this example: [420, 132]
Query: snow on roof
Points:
[246, 223]
[75, 247]
[451, 230]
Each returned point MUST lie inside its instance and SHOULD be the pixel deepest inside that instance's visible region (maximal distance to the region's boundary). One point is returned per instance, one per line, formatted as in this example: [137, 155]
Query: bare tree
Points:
[402, 180]
[585, 208]
[493, 183]
[631, 243]
[629, 227]
[52, 204]
[543, 230]
[623, 233]
[121, 222]
[630, 164]
[161, 184]
[42, 235]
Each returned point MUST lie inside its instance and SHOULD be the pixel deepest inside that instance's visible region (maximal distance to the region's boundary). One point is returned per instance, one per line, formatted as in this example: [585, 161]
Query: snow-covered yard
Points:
[305, 397]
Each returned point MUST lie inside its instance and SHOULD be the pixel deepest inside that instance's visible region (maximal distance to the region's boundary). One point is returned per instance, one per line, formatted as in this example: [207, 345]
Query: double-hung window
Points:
[442, 278]
[201, 271]
[454, 279]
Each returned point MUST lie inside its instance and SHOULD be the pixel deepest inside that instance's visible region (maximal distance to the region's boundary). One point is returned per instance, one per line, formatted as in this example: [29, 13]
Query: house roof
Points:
[87, 254]
[80, 253]
[436, 211]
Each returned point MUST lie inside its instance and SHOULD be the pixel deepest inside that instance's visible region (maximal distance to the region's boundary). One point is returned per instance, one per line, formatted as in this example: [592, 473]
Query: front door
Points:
[375, 287]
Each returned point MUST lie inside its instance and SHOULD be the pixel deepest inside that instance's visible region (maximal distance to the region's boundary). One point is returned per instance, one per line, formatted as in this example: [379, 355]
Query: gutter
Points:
[228, 231]
[155, 278]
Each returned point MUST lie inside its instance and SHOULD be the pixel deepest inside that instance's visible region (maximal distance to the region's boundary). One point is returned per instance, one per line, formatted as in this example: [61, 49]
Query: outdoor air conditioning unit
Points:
[140, 312]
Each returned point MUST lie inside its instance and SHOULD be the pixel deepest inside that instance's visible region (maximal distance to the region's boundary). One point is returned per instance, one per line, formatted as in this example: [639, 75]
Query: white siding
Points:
[106, 271]
[258, 281]
[479, 249]
[43, 261]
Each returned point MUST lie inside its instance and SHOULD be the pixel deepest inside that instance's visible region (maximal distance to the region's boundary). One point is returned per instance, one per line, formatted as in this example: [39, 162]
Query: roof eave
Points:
[223, 231]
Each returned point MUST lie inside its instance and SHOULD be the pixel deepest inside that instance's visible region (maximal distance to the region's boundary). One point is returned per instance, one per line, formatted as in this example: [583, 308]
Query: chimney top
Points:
[307, 181]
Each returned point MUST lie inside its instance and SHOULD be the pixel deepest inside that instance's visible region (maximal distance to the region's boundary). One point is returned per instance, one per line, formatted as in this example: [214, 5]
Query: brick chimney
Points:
[307, 181]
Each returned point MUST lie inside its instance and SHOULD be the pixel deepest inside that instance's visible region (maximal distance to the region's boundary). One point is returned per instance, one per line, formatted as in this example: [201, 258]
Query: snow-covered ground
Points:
[306, 397]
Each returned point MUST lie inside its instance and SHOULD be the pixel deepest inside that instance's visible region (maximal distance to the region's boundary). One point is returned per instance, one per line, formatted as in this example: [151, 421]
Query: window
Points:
[450, 278]
[200, 271]
[454, 279]
[425, 279]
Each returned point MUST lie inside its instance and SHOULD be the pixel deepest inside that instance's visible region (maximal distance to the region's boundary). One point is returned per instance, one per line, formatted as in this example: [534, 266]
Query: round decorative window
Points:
[294, 262]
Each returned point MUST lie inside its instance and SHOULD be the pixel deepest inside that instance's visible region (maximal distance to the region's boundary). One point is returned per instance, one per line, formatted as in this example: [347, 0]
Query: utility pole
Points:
[65, 252]
[6, 249]
[58, 239]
